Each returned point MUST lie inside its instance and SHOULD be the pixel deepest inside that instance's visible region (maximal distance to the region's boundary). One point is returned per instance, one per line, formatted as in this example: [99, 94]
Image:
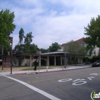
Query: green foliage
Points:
[31, 48]
[21, 35]
[4, 41]
[24, 48]
[28, 38]
[74, 48]
[27, 47]
[91, 60]
[43, 50]
[19, 49]
[54, 47]
[6, 27]
[95, 58]
[92, 31]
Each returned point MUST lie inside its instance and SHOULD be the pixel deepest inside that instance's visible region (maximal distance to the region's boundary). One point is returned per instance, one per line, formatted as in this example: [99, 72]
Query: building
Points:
[58, 58]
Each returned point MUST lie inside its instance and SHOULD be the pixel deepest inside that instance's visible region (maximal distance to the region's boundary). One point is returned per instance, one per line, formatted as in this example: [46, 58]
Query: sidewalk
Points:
[42, 70]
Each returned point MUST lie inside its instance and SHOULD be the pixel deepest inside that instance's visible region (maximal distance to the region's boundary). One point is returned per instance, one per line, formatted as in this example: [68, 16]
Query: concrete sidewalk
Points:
[42, 70]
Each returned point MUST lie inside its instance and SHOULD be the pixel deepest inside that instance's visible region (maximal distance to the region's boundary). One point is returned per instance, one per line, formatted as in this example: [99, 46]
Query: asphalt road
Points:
[64, 85]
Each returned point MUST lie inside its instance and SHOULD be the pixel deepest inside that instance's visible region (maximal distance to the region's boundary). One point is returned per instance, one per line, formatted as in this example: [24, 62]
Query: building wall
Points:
[95, 52]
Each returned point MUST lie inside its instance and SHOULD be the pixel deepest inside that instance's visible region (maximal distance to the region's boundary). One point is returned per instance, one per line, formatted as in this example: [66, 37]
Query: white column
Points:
[78, 60]
[54, 60]
[81, 60]
[61, 60]
[30, 61]
[47, 60]
[65, 60]
[39, 60]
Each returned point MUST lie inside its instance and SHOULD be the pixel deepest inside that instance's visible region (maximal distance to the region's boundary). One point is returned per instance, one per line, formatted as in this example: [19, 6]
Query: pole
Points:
[11, 61]
[65, 60]
[2, 56]
[11, 42]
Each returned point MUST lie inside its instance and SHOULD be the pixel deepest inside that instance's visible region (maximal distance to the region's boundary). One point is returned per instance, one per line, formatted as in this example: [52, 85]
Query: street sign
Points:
[6, 64]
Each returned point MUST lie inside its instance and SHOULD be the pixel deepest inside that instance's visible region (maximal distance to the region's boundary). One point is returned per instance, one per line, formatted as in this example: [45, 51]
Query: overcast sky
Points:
[51, 20]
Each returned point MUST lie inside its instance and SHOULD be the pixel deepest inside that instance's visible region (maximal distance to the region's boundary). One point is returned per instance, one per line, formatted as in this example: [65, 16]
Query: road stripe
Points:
[35, 89]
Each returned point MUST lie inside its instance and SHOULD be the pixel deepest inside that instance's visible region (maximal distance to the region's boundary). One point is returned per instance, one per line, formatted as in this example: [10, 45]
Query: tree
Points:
[21, 35]
[31, 48]
[74, 48]
[54, 47]
[27, 47]
[19, 49]
[23, 48]
[28, 38]
[43, 50]
[6, 27]
[92, 31]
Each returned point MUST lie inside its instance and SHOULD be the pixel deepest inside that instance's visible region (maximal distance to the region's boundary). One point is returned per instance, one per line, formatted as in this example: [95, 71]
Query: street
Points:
[63, 85]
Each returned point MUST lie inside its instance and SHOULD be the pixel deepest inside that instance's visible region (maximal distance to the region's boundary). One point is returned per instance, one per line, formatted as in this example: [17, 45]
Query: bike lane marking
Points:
[65, 80]
[51, 97]
[80, 81]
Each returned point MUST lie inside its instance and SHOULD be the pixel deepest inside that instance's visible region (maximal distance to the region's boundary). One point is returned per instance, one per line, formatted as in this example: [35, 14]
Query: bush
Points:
[95, 58]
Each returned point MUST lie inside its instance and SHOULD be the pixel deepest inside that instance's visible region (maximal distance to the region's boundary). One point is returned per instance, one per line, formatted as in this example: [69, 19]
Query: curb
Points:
[43, 71]
[32, 73]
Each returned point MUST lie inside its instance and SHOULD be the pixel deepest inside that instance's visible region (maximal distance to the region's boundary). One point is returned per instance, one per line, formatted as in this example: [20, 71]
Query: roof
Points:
[53, 53]
[81, 41]
[63, 44]
[44, 54]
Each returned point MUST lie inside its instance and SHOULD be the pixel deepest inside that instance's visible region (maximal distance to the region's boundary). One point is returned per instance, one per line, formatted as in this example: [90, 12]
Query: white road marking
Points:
[90, 78]
[51, 97]
[65, 80]
[79, 82]
[95, 74]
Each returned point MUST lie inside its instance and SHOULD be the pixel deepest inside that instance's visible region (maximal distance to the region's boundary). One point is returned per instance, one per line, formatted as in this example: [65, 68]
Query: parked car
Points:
[96, 63]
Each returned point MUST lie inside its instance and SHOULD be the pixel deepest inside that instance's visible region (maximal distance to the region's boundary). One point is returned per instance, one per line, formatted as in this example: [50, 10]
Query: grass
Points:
[26, 68]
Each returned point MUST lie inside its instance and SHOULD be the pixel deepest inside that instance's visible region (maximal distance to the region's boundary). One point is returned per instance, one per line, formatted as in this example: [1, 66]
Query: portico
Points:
[45, 59]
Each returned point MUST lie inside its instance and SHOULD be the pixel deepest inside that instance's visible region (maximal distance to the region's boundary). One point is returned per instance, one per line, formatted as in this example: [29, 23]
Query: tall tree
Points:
[92, 31]
[31, 48]
[74, 48]
[43, 50]
[24, 48]
[54, 47]
[21, 35]
[6, 27]
[28, 38]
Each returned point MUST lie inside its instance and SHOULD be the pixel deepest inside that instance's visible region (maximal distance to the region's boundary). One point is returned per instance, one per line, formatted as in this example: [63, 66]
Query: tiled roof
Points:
[63, 44]
[81, 41]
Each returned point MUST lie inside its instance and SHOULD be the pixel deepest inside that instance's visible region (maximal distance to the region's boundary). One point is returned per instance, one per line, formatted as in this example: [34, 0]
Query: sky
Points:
[51, 21]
